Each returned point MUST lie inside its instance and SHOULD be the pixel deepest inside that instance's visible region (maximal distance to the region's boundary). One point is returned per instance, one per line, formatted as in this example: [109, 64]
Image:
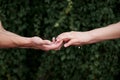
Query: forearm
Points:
[105, 33]
[10, 40]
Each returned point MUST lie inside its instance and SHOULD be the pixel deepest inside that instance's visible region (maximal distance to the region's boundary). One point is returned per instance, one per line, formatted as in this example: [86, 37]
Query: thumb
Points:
[39, 41]
[46, 42]
[69, 43]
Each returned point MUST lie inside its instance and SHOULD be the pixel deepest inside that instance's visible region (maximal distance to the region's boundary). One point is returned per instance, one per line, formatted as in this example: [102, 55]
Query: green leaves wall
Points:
[49, 18]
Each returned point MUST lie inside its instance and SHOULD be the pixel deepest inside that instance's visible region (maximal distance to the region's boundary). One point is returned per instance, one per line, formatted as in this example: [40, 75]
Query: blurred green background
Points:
[49, 18]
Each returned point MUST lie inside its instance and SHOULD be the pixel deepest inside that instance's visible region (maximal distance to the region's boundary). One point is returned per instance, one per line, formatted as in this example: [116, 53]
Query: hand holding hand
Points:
[46, 45]
[74, 38]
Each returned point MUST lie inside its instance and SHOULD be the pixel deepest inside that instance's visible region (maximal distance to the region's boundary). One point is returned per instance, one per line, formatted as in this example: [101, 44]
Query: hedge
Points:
[49, 18]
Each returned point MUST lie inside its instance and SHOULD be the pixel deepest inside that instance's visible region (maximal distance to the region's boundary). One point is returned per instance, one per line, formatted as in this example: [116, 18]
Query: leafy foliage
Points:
[48, 18]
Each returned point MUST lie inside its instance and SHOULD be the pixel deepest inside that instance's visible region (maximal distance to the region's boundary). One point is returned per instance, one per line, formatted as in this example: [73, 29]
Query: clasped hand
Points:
[72, 38]
[68, 38]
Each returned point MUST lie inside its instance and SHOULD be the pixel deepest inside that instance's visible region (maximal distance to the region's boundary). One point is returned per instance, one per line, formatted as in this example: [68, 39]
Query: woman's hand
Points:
[74, 38]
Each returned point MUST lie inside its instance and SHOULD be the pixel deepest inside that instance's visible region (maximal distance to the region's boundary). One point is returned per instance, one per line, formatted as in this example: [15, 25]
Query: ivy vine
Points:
[64, 13]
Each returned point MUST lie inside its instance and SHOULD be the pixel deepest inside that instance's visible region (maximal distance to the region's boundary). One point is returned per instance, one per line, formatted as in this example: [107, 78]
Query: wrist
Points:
[89, 37]
[24, 42]
[93, 36]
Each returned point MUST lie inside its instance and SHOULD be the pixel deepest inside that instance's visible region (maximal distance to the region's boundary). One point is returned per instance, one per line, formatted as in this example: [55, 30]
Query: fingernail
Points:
[65, 45]
[57, 39]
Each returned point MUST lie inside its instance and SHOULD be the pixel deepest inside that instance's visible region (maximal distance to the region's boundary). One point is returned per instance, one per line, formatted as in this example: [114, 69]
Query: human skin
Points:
[75, 38]
[12, 40]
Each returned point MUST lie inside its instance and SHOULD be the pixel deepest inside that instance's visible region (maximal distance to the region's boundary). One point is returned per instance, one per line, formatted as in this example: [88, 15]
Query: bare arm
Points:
[12, 40]
[110, 32]
[9, 39]
[100, 34]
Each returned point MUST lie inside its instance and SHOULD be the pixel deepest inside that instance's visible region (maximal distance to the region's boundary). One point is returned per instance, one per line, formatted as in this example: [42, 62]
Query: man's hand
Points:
[46, 45]
[12, 40]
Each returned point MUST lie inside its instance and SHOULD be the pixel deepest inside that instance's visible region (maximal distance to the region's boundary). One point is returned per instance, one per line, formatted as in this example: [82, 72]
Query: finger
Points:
[69, 43]
[53, 39]
[53, 46]
[61, 36]
[65, 37]
[60, 45]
